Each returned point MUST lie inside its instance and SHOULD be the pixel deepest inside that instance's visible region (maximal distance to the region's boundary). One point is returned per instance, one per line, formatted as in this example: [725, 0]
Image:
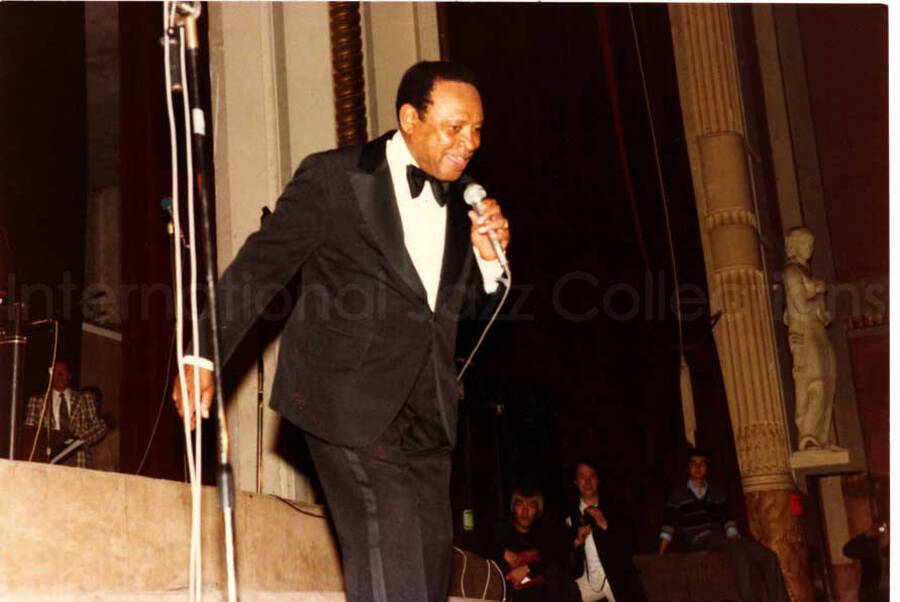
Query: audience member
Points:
[871, 548]
[699, 511]
[71, 412]
[600, 545]
[529, 553]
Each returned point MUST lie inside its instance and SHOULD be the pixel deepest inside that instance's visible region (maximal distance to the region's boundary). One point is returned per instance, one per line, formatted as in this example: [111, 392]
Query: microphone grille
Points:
[474, 194]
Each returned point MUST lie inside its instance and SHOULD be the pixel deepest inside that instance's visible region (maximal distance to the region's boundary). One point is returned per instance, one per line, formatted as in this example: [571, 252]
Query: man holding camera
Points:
[601, 554]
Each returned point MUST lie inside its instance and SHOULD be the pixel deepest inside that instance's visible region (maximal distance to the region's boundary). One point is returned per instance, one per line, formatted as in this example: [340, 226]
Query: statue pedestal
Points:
[819, 458]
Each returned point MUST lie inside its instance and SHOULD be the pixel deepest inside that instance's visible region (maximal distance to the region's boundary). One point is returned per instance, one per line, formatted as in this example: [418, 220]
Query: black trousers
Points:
[390, 503]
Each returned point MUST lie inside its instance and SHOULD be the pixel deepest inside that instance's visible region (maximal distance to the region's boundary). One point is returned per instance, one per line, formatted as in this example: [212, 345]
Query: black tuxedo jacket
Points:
[614, 546]
[362, 331]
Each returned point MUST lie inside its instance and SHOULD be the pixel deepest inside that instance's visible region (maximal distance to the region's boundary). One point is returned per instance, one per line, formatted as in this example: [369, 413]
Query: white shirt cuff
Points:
[731, 531]
[200, 362]
[491, 272]
[665, 536]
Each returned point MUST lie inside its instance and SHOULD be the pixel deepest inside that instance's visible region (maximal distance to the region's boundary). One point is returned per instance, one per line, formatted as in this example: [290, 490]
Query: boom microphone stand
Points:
[12, 357]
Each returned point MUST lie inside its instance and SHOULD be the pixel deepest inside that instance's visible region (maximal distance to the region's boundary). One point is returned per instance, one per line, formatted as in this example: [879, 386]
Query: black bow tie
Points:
[415, 177]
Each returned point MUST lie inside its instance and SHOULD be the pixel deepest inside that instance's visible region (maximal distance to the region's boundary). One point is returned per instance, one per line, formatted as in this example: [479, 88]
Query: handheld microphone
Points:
[474, 194]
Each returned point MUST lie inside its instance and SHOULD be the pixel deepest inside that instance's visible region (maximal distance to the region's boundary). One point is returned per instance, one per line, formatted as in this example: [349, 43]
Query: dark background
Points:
[585, 361]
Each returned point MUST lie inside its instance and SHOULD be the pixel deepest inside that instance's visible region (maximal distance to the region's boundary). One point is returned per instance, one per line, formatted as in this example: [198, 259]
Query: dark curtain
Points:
[42, 171]
[567, 151]
[146, 274]
[148, 358]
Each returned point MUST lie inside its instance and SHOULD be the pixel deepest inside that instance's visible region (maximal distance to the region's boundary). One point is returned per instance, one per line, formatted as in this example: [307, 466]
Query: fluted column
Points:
[706, 63]
[347, 72]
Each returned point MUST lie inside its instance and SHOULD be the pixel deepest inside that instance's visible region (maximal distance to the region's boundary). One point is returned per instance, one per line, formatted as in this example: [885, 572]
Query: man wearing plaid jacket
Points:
[71, 411]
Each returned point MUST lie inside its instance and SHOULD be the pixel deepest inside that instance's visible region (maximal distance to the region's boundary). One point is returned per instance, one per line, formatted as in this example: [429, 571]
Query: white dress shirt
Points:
[57, 402]
[425, 224]
[594, 574]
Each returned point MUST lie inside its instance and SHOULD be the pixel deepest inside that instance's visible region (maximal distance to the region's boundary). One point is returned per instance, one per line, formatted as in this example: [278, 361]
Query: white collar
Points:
[698, 491]
[581, 505]
[397, 152]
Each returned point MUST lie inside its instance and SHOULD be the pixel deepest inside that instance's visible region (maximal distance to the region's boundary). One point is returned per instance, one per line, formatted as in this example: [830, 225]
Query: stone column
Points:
[706, 63]
[347, 71]
[272, 104]
[844, 572]
[396, 35]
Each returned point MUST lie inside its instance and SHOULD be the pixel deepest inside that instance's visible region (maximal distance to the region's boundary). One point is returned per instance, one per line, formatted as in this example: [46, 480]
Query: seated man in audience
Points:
[528, 553]
[699, 511]
[70, 414]
[600, 544]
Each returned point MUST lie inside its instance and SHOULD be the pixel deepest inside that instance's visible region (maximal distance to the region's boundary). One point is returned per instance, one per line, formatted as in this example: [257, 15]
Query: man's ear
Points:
[408, 117]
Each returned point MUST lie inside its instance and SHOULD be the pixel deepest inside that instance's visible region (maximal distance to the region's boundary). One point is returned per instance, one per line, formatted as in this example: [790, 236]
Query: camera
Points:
[585, 520]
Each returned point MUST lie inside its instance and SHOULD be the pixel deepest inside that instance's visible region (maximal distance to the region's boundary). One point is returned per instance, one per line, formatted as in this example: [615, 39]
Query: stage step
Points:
[182, 596]
[76, 535]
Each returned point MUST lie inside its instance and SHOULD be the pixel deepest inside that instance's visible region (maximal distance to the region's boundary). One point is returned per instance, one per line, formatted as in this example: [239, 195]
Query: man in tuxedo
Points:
[387, 258]
[70, 413]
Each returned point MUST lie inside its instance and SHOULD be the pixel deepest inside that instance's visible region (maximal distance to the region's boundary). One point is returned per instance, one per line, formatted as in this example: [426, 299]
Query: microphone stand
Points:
[13, 345]
[186, 16]
[260, 386]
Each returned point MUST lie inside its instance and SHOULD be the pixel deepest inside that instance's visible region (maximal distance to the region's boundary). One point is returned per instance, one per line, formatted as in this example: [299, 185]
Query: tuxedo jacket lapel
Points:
[456, 244]
[375, 196]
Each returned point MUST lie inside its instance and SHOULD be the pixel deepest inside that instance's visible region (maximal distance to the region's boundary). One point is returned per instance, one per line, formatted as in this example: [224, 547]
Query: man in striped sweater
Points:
[699, 511]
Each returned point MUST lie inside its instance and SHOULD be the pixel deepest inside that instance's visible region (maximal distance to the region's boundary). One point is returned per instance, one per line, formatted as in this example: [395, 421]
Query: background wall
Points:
[849, 101]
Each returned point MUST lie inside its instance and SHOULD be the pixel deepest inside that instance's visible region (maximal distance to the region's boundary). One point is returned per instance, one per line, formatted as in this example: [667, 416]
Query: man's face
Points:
[61, 376]
[586, 480]
[525, 511]
[697, 468]
[444, 139]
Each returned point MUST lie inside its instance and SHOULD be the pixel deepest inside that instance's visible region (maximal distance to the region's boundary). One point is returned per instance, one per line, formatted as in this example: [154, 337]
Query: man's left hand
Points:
[492, 219]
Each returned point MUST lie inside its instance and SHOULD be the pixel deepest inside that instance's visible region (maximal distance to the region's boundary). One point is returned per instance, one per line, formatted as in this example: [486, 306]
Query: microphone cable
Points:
[170, 39]
[181, 18]
[52, 370]
[508, 285]
[195, 317]
[474, 194]
[162, 403]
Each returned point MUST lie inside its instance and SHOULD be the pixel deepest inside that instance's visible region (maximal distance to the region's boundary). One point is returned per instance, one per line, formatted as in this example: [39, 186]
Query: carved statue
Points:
[815, 368]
